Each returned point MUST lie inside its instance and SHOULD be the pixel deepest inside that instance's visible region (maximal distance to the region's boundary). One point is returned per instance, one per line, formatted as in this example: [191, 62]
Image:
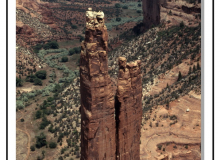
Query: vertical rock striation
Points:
[110, 128]
[97, 98]
[151, 12]
[128, 106]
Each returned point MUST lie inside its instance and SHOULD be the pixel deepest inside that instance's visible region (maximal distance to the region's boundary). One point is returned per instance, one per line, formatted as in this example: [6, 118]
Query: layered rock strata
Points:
[151, 12]
[110, 124]
[128, 110]
[97, 98]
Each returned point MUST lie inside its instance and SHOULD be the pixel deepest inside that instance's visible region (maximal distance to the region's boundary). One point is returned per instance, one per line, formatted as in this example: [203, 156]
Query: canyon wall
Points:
[110, 124]
[151, 12]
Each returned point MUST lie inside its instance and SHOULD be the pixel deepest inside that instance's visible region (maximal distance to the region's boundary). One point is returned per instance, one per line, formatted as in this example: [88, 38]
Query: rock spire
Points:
[110, 124]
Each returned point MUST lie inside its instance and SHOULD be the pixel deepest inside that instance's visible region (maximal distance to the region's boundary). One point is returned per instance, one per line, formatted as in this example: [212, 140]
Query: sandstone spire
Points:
[151, 12]
[97, 99]
[110, 127]
[128, 110]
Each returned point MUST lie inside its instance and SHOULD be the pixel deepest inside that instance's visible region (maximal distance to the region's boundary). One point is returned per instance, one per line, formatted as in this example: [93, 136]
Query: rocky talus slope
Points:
[41, 29]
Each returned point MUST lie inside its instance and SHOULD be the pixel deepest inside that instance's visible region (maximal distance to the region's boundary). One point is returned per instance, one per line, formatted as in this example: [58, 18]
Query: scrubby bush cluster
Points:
[75, 50]
[37, 77]
[49, 45]
[19, 82]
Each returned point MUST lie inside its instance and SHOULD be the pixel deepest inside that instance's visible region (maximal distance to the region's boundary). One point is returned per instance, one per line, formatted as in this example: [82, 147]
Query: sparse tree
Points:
[198, 66]
[179, 76]
[190, 70]
[194, 68]
[41, 74]
[32, 148]
[19, 82]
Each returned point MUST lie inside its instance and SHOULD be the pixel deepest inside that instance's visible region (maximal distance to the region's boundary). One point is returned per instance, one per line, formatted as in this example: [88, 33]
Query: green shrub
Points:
[41, 74]
[64, 59]
[41, 140]
[32, 148]
[73, 26]
[198, 66]
[173, 117]
[179, 76]
[38, 114]
[22, 119]
[37, 48]
[19, 104]
[125, 7]
[117, 5]
[138, 11]
[30, 78]
[75, 50]
[46, 93]
[53, 145]
[118, 19]
[170, 12]
[50, 99]
[159, 146]
[19, 82]
[57, 88]
[37, 81]
[52, 45]
[181, 24]
[44, 123]
[81, 38]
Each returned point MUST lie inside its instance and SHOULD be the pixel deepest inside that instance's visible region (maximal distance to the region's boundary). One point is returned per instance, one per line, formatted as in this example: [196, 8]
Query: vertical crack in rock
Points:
[151, 13]
[110, 128]
[117, 121]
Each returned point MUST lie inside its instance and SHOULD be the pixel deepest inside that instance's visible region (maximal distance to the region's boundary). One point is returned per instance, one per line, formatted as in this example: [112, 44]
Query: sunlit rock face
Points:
[151, 12]
[97, 98]
[128, 110]
[110, 123]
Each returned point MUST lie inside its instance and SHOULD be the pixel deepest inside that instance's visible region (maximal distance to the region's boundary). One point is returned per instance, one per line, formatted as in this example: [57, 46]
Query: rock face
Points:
[97, 98]
[110, 127]
[128, 110]
[151, 12]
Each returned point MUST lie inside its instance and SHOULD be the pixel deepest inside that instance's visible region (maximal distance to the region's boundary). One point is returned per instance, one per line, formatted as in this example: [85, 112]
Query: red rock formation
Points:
[128, 110]
[151, 12]
[97, 98]
[109, 130]
[23, 29]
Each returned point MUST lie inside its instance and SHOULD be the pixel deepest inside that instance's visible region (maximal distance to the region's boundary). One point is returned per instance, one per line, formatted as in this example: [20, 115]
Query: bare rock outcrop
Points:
[128, 110]
[151, 12]
[97, 98]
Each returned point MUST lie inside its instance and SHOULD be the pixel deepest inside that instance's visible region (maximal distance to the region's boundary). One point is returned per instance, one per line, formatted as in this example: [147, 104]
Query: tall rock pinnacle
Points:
[110, 124]
[151, 12]
[97, 99]
[128, 107]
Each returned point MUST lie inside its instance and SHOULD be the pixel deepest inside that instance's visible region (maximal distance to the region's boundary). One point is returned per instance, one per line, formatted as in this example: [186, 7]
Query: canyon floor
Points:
[169, 131]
